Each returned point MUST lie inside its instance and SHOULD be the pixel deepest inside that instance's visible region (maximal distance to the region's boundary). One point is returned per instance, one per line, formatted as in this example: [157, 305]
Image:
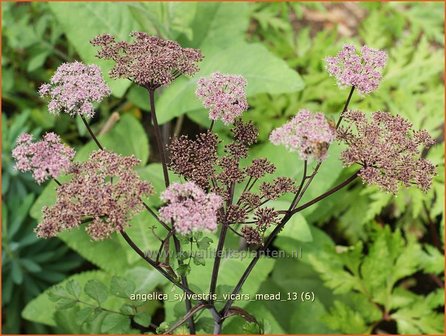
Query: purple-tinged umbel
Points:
[92, 196]
[190, 208]
[362, 70]
[74, 88]
[148, 60]
[46, 159]
[224, 96]
[388, 149]
[307, 133]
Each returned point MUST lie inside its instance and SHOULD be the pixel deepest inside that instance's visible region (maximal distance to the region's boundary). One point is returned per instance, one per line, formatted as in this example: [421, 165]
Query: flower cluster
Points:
[190, 208]
[277, 188]
[148, 60]
[46, 159]
[104, 191]
[307, 133]
[223, 95]
[245, 132]
[363, 71]
[194, 159]
[251, 235]
[74, 88]
[388, 150]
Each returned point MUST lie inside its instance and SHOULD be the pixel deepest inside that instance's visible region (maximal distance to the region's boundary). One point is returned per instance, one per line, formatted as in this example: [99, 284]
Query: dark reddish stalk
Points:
[221, 242]
[345, 106]
[93, 136]
[154, 264]
[158, 138]
[301, 191]
[162, 152]
[184, 284]
[325, 194]
[273, 235]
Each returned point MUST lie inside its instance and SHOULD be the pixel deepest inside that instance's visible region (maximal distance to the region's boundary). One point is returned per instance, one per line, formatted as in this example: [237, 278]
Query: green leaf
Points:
[37, 60]
[65, 303]
[127, 309]
[121, 141]
[96, 290]
[306, 319]
[204, 243]
[143, 319]
[83, 315]
[297, 228]
[341, 313]
[73, 288]
[98, 252]
[183, 269]
[199, 260]
[274, 77]
[90, 16]
[114, 322]
[121, 287]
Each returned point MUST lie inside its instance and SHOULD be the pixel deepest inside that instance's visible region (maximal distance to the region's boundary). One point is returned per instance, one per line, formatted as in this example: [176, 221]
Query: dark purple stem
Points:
[158, 138]
[162, 152]
[301, 191]
[93, 136]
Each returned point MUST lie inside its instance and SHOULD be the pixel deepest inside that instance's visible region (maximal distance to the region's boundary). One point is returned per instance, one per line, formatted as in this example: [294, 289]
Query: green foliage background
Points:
[373, 260]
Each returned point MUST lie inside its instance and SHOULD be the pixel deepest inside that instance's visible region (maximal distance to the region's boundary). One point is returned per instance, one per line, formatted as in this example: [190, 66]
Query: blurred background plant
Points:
[280, 48]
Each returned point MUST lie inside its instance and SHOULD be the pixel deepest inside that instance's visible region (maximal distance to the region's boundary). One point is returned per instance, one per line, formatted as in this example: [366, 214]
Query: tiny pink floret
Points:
[190, 208]
[46, 159]
[307, 133]
[224, 96]
[74, 88]
[362, 70]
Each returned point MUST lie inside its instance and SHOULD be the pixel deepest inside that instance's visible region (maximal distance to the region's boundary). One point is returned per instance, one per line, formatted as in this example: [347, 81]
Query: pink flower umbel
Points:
[190, 208]
[104, 191]
[307, 133]
[363, 70]
[148, 60]
[46, 159]
[74, 88]
[388, 150]
[223, 95]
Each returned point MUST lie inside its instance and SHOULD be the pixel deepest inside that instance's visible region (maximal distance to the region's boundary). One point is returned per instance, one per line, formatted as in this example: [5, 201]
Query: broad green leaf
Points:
[306, 319]
[127, 137]
[73, 288]
[297, 228]
[82, 21]
[98, 252]
[84, 314]
[274, 76]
